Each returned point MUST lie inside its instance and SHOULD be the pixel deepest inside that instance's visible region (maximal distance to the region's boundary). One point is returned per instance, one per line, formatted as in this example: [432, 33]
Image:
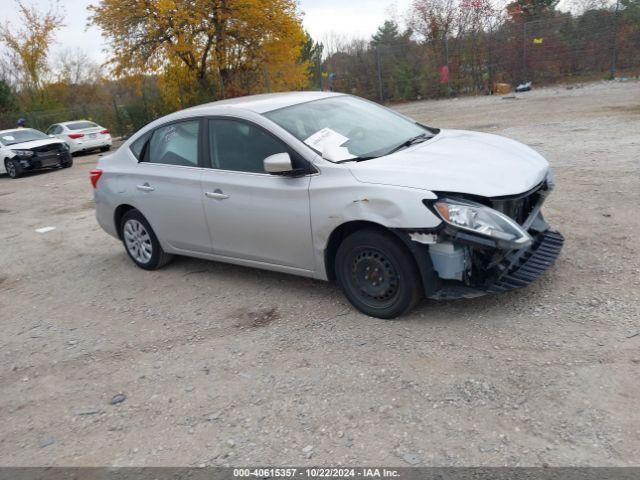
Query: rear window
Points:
[137, 146]
[81, 125]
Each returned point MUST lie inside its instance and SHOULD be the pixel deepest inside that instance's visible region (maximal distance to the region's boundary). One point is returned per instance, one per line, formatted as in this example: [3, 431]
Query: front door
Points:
[251, 214]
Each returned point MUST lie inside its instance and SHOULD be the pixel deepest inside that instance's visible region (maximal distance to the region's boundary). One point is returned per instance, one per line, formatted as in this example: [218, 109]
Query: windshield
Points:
[348, 126]
[22, 135]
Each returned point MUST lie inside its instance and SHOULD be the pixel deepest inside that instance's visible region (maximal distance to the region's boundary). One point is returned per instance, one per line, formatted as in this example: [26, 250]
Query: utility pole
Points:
[379, 74]
[614, 53]
[446, 61]
[524, 51]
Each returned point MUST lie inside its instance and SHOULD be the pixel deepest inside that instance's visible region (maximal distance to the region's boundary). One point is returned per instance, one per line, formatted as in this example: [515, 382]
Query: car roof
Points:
[74, 121]
[266, 102]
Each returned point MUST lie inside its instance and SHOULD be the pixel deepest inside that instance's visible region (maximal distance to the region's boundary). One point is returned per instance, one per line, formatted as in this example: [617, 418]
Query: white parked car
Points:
[82, 135]
[332, 187]
[25, 149]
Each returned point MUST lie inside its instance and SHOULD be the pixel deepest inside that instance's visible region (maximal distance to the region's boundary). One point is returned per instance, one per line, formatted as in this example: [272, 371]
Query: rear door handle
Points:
[217, 194]
[145, 188]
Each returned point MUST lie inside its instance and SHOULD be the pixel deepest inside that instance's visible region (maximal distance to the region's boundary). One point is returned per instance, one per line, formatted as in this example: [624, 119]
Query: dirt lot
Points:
[228, 365]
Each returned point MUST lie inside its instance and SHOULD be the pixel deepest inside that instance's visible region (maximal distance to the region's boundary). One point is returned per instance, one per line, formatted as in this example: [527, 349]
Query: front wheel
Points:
[14, 170]
[141, 242]
[68, 163]
[106, 148]
[377, 274]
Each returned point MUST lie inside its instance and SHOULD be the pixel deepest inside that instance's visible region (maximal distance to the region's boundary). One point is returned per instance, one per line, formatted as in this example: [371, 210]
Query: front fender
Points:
[336, 198]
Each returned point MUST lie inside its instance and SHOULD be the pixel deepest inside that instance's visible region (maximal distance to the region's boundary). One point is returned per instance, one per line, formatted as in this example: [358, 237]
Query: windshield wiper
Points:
[357, 159]
[423, 137]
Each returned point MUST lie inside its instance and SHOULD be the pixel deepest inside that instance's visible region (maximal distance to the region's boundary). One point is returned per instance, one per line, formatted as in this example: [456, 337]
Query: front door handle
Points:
[217, 194]
[145, 188]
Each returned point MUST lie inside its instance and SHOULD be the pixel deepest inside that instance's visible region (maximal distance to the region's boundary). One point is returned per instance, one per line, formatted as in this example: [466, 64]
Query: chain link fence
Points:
[594, 45]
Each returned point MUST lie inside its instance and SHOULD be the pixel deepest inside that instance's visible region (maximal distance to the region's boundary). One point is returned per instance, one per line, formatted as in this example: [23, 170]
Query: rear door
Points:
[251, 214]
[167, 186]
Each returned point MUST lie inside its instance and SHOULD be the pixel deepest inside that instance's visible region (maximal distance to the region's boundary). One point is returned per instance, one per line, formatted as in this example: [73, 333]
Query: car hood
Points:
[459, 161]
[33, 144]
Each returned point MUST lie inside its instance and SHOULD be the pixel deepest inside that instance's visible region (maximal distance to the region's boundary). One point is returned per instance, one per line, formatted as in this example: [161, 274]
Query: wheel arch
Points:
[118, 214]
[341, 232]
[430, 280]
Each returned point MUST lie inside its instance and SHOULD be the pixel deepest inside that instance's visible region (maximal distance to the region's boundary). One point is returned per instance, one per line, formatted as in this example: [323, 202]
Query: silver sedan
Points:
[332, 187]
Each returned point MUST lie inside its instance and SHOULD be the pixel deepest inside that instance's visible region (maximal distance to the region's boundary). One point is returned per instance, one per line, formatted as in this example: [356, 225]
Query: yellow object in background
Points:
[537, 41]
[501, 88]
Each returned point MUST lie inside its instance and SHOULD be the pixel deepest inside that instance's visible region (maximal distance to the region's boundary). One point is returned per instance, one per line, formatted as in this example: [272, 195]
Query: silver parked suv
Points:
[332, 187]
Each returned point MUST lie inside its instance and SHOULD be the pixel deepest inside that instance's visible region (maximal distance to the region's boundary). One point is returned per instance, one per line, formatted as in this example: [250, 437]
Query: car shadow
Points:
[427, 311]
[31, 173]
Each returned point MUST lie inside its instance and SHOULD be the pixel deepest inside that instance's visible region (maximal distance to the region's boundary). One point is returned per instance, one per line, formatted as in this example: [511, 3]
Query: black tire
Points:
[105, 149]
[68, 163]
[146, 245]
[13, 168]
[388, 292]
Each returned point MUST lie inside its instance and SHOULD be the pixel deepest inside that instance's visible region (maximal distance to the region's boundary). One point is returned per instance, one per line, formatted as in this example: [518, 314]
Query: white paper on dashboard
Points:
[328, 142]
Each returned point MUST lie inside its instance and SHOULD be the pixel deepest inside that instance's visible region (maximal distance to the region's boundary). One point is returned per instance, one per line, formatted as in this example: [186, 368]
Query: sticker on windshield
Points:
[329, 142]
[9, 138]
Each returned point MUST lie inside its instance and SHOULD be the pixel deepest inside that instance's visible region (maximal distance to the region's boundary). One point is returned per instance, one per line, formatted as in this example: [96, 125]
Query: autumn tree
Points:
[28, 45]
[206, 48]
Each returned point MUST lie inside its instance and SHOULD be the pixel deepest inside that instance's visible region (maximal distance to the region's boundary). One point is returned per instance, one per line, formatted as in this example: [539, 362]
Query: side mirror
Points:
[278, 164]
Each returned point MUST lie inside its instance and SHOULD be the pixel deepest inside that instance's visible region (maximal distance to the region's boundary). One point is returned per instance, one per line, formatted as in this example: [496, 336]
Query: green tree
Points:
[311, 54]
[387, 34]
[527, 10]
[7, 97]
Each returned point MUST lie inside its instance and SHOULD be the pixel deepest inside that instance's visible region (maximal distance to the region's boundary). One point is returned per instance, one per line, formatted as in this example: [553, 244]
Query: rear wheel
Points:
[105, 148]
[377, 274]
[68, 163]
[14, 170]
[141, 242]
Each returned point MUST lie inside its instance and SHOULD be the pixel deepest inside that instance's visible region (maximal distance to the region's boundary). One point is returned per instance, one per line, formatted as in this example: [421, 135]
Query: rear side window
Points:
[239, 146]
[137, 147]
[174, 144]
[81, 125]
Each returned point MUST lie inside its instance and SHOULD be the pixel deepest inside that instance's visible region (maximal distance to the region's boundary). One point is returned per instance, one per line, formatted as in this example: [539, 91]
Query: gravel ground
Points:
[223, 365]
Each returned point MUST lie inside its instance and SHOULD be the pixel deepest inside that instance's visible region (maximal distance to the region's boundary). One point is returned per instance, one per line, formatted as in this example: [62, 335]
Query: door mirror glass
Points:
[278, 164]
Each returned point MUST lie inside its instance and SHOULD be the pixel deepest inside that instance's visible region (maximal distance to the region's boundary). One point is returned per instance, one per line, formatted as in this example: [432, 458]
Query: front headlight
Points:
[482, 220]
[23, 153]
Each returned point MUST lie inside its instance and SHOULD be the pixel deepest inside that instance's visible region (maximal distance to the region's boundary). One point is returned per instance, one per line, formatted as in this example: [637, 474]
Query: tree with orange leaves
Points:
[203, 49]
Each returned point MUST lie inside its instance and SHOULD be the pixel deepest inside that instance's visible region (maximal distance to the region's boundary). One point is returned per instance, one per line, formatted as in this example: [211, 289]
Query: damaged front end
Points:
[486, 245]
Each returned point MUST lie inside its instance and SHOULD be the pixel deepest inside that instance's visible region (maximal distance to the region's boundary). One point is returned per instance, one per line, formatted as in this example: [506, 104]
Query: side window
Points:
[239, 146]
[51, 130]
[174, 144]
[137, 147]
[57, 130]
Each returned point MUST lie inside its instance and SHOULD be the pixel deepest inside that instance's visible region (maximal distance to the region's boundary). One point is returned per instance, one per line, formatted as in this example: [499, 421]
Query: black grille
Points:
[54, 147]
[528, 266]
[518, 208]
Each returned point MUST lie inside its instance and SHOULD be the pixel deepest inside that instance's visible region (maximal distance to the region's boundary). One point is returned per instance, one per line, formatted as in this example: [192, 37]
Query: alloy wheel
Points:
[138, 241]
[11, 169]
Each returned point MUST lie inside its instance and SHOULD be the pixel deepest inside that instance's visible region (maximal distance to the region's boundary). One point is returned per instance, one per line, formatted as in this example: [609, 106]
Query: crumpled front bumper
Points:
[523, 267]
[516, 270]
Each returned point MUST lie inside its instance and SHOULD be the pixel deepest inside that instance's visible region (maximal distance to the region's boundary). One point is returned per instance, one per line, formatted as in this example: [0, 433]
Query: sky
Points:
[322, 19]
